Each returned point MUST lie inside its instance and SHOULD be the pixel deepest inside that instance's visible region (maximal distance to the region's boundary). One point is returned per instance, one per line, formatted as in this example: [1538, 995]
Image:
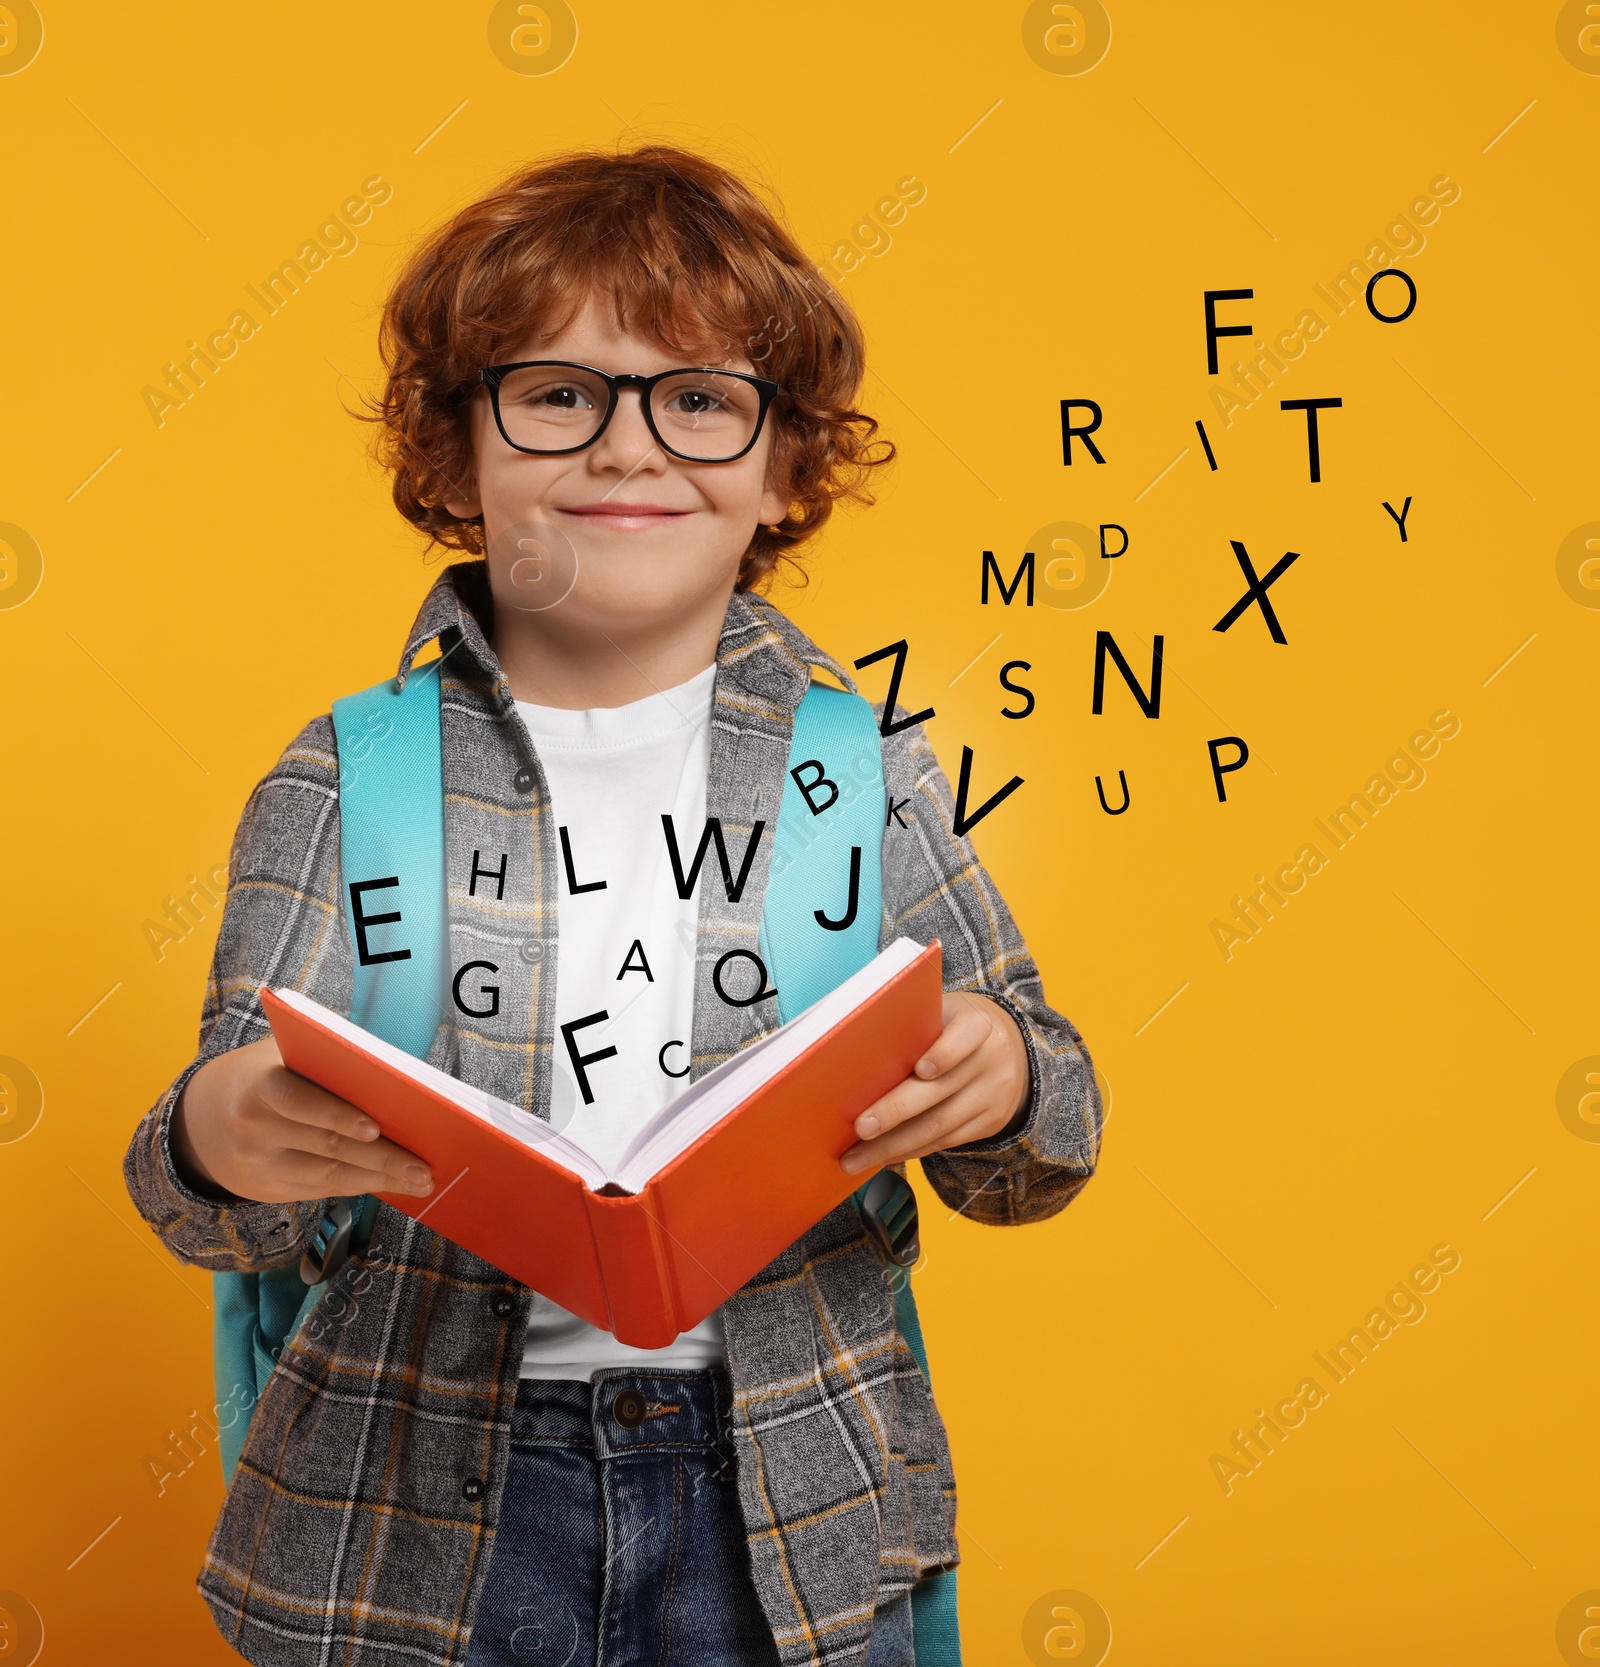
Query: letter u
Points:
[1126, 796]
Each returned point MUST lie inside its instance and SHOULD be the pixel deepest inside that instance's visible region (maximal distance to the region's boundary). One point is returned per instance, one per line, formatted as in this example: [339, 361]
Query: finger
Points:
[400, 1170]
[975, 1128]
[299, 1175]
[911, 1097]
[929, 1132]
[965, 1031]
[321, 1123]
[302, 1101]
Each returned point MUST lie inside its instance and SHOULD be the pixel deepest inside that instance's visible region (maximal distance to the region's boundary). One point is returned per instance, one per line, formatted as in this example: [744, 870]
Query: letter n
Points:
[1105, 643]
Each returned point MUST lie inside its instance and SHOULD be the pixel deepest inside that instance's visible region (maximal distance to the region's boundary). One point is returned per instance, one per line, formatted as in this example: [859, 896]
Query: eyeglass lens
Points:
[698, 413]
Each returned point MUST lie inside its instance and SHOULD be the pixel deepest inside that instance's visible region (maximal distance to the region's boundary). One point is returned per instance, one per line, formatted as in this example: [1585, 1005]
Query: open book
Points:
[718, 1182]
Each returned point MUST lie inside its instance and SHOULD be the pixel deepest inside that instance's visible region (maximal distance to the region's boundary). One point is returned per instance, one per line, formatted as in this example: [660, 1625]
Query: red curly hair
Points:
[690, 257]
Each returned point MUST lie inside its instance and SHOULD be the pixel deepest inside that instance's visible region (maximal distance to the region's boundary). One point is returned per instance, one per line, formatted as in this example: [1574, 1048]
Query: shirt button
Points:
[628, 1409]
[523, 780]
[472, 1488]
[532, 950]
[504, 1304]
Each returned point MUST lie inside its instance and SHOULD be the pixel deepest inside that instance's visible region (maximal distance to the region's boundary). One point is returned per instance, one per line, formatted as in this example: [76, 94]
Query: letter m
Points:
[990, 565]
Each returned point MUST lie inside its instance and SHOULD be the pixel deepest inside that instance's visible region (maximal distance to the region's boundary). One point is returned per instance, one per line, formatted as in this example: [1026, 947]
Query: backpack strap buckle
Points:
[888, 1209]
[330, 1243]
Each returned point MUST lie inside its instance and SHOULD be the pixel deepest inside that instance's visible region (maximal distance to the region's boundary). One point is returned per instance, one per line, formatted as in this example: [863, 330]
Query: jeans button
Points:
[504, 1304]
[523, 780]
[532, 950]
[472, 1488]
[628, 1408]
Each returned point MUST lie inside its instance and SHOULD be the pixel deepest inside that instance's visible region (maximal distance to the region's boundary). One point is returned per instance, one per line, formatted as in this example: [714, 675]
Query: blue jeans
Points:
[620, 1540]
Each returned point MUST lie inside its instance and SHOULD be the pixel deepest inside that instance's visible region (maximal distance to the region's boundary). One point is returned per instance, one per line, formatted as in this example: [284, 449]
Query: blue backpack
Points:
[391, 807]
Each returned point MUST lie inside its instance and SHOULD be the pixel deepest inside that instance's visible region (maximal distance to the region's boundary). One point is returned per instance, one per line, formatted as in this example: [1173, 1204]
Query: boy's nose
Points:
[627, 439]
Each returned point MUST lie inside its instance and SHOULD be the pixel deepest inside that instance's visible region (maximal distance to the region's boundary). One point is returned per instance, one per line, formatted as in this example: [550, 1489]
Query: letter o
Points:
[1411, 288]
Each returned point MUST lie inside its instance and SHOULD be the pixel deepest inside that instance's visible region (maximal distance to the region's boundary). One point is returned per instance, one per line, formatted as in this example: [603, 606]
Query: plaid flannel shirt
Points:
[361, 1518]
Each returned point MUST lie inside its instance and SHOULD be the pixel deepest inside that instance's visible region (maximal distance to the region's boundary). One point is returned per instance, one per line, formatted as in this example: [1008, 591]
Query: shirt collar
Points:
[761, 649]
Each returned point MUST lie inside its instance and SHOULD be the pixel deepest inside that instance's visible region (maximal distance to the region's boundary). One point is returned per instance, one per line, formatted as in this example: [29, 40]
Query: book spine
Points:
[634, 1269]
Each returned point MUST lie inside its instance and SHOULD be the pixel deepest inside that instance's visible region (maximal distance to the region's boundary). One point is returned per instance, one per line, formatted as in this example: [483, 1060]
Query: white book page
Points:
[679, 1123]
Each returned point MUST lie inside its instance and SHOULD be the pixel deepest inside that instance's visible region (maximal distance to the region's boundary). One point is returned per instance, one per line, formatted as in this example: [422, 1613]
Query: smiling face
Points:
[649, 543]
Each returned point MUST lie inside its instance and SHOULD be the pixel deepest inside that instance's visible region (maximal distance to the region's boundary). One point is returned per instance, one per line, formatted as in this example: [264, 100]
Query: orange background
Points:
[1292, 1129]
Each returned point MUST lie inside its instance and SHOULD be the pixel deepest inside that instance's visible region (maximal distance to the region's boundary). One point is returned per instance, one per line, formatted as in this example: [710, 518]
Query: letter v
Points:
[963, 822]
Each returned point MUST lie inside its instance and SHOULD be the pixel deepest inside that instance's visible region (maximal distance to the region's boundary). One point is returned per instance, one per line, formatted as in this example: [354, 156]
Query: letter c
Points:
[1289, 868]
[661, 1059]
[1283, 1417]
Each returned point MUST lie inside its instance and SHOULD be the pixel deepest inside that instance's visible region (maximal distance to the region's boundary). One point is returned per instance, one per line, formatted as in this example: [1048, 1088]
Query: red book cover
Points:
[647, 1265]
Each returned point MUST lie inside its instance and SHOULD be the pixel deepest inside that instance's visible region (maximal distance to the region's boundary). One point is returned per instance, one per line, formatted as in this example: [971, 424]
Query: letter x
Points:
[1257, 592]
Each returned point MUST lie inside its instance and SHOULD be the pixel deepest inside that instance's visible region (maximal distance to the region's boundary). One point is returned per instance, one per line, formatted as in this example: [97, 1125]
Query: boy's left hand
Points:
[967, 1086]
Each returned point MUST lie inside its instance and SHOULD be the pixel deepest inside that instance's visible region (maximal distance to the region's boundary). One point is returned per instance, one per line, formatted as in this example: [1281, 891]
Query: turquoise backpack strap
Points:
[820, 923]
[391, 847]
[396, 903]
[824, 905]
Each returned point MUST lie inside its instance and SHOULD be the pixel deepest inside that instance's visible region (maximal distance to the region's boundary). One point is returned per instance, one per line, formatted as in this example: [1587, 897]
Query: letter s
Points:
[1016, 688]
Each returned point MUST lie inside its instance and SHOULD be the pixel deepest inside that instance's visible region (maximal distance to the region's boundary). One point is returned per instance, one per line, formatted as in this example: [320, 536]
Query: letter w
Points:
[711, 832]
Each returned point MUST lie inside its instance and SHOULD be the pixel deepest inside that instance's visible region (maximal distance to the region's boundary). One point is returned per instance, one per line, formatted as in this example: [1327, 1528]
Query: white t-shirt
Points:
[626, 955]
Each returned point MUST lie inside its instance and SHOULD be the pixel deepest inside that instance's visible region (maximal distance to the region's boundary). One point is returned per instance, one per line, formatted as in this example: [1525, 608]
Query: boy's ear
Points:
[777, 497]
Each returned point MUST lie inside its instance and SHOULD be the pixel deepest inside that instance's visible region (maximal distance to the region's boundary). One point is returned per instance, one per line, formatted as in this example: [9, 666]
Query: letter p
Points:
[1218, 768]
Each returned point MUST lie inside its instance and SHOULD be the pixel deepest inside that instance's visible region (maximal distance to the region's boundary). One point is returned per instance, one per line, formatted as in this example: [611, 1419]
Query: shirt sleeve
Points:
[282, 926]
[935, 887]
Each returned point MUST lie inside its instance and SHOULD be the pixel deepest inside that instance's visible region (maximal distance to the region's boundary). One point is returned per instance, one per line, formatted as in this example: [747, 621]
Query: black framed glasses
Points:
[552, 406]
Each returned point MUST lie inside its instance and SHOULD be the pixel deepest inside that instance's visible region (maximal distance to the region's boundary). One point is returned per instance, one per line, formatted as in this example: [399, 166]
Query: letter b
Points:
[809, 788]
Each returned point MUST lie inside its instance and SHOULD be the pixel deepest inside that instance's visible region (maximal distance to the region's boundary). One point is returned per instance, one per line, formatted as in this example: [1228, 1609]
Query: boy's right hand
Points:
[247, 1124]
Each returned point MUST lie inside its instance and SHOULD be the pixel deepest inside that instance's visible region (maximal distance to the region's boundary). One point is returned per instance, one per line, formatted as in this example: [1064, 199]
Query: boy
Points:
[456, 1471]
